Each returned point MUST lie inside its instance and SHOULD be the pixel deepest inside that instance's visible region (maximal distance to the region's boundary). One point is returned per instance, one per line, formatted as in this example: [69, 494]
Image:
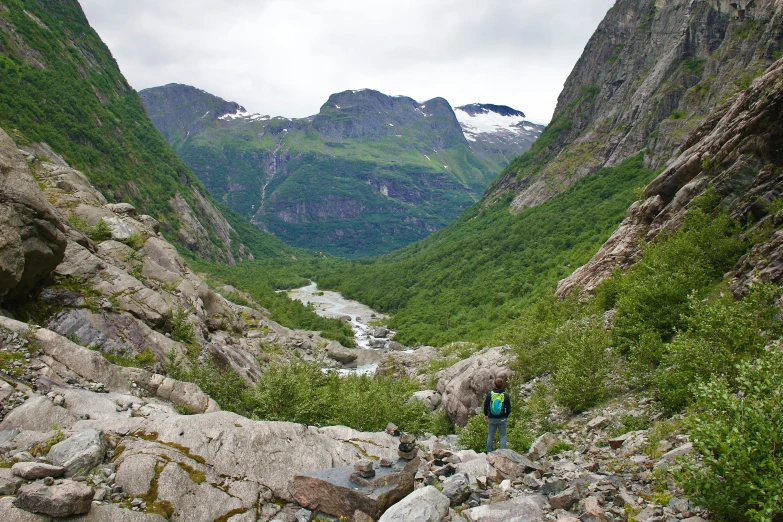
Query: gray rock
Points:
[380, 332]
[512, 464]
[114, 513]
[304, 515]
[332, 491]
[79, 453]
[671, 456]
[649, 513]
[457, 488]
[617, 442]
[523, 509]
[36, 470]
[341, 354]
[196, 502]
[542, 446]
[61, 500]
[135, 474]
[11, 513]
[464, 385]
[32, 234]
[423, 505]
[9, 483]
[430, 398]
[566, 499]
[37, 414]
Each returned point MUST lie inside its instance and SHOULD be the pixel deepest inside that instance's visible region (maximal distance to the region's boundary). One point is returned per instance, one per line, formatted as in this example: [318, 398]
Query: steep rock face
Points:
[32, 233]
[737, 152]
[497, 133]
[369, 173]
[651, 74]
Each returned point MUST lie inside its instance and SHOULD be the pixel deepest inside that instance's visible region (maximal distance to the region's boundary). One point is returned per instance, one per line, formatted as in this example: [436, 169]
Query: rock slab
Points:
[332, 492]
[79, 453]
[61, 500]
[423, 505]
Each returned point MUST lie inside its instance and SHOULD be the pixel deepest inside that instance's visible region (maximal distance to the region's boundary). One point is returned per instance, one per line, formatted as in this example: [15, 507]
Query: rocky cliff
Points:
[651, 74]
[737, 154]
[369, 173]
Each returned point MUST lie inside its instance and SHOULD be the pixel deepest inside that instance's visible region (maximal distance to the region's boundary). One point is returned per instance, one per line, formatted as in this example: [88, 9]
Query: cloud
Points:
[285, 57]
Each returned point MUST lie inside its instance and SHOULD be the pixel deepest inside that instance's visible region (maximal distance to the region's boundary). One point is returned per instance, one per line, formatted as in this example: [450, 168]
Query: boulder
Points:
[464, 385]
[79, 453]
[340, 353]
[36, 470]
[38, 414]
[592, 511]
[478, 467]
[380, 332]
[520, 509]
[61, 500]
[32, 233]
[9, 482]
[332, 491]
[617, 442]
[565, 499]
[11, 513]
[423, 505]
[542, 446]
[457, 488]
[512, 464]
[430, 398]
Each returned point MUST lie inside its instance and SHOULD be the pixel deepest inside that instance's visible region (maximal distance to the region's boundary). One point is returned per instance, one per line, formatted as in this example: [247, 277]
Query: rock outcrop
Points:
[464, 385]
[736, 153]
[32, 233]
[652, 73]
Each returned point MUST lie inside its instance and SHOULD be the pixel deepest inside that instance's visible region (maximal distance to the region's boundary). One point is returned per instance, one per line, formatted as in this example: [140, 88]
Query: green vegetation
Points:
[300, 392]
[465, 282]
[737, 431]
[61, 86]
[100, 232]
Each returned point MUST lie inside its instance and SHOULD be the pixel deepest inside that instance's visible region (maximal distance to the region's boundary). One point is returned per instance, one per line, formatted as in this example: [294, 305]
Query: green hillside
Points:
[61, 86]
[368, 174]
[464, 282]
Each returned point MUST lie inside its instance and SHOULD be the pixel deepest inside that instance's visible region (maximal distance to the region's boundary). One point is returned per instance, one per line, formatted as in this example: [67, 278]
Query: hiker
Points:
[497, 407]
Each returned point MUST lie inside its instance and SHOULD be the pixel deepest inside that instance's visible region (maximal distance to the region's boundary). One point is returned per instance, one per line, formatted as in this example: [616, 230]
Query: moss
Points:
[118, 451]
[153, 437]
[195, 475]
[231, 513]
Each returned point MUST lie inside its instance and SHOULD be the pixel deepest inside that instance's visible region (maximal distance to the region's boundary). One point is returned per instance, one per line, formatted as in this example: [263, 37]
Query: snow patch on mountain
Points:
[242, 114]
[489, 122]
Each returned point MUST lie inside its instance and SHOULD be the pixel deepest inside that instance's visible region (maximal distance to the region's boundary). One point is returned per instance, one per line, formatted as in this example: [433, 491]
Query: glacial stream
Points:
[334, 305]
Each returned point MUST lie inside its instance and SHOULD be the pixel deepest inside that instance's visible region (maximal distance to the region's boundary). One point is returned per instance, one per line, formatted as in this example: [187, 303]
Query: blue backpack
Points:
[496, 401]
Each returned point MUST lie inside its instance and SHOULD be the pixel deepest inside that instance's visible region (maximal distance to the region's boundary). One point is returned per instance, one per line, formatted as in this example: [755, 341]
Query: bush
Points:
[653, 296]
[738, 431]
[720, 333]
[579, 380]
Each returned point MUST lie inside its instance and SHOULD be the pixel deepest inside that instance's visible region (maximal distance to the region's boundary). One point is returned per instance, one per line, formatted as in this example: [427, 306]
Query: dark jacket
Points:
[506, 405]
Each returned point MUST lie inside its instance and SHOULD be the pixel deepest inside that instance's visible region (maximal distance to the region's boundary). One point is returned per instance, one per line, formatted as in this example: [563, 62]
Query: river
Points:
[334, 305]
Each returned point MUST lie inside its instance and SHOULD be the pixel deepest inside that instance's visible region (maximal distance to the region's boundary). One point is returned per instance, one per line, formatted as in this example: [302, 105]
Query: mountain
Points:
[650, 75]
[63, 94]
[368, 174]
[497, 133]
[650, 84]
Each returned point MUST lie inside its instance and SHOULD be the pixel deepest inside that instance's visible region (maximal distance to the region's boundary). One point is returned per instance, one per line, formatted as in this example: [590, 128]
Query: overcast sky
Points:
[285, 57]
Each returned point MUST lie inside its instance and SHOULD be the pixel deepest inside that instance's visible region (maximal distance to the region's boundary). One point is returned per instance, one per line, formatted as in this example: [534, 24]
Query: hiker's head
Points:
[500, 383]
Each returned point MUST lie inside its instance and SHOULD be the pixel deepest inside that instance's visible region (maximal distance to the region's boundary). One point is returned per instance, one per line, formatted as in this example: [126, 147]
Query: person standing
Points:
[497, 408]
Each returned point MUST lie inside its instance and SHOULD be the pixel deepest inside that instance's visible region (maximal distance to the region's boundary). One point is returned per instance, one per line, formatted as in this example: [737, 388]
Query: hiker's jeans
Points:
[500, 426]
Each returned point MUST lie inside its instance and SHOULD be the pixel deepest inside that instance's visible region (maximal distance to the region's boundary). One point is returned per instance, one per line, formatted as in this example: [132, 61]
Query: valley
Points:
[368, 174]
[213, 315]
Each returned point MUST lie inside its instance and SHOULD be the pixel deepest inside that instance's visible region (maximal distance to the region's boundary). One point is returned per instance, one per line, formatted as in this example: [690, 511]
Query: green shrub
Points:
[579, 380]
[720, 333]
[738, 431]
[181, 329]
[100, 232]
[135, 241]
[653, 296]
